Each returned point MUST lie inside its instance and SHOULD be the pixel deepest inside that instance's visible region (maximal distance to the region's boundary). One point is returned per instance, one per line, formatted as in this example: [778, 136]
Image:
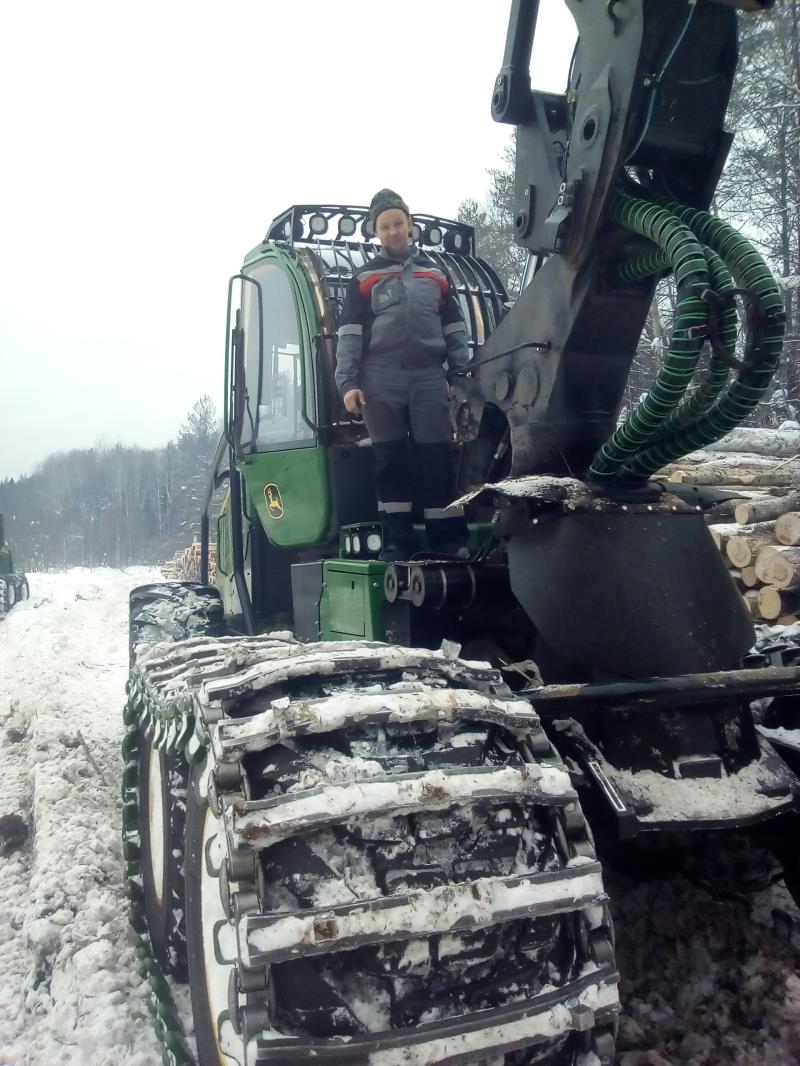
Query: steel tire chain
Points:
[176, 728]
[573, 838]
[166, 1020]
[139, 724]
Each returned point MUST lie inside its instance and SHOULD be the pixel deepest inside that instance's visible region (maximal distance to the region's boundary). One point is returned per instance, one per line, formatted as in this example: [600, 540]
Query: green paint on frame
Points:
[290, 493]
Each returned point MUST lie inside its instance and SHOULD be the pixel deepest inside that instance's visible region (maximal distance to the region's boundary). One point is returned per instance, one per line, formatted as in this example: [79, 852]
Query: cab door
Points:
[275, 403]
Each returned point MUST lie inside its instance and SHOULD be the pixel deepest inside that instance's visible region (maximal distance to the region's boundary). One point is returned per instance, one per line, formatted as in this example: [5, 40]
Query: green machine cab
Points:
[298, 534]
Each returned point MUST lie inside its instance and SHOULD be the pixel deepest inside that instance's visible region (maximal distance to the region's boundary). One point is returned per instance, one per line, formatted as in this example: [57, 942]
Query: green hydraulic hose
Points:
[686, 258]
[644, 266]
[718, 373]
[729, 409]
[725, 331]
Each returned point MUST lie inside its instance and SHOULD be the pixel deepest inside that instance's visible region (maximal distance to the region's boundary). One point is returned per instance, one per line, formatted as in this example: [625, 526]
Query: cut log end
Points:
[787, 528]
[743, 548]
[775, 603]
[749, 577]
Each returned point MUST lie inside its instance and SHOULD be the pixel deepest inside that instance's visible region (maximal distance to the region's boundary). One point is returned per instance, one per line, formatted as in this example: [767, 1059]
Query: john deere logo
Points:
[272, 495]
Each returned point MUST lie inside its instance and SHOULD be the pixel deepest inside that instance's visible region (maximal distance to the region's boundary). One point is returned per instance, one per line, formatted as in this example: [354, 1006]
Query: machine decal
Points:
[272, 496]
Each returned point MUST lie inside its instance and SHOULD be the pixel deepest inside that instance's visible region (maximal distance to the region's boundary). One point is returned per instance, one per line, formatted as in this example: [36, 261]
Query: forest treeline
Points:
[112, 506]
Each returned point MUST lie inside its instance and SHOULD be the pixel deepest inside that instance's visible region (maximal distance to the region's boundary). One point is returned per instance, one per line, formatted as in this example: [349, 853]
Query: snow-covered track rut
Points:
[16, 811]
[69, 988]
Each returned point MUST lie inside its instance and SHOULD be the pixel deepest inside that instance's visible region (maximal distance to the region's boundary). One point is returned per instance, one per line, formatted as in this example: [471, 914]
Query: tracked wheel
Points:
[11, 594]
[161, 614]
[385, 865]
[171, 611]
[162, 807]
[211, 939]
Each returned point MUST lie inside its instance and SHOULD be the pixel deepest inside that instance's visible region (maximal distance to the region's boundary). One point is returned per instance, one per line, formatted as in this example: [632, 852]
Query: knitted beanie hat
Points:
[384, 200]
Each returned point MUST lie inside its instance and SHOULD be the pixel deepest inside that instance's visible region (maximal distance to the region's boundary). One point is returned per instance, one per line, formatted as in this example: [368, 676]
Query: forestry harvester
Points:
[362, 800]
[13, 582]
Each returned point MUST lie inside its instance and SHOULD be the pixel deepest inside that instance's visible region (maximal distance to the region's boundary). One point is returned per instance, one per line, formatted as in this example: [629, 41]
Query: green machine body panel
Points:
[352, 600]
[291, 494]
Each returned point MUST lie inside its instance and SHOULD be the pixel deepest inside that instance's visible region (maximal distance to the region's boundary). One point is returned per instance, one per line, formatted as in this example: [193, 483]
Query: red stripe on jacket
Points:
[368, 283]
[437, 277]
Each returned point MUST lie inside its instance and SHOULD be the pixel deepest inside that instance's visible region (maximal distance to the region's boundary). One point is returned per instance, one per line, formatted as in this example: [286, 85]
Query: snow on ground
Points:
[706, 981]
[70, 992]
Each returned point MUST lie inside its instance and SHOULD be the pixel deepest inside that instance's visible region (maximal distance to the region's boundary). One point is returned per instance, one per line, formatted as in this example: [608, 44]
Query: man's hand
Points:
[354, 401]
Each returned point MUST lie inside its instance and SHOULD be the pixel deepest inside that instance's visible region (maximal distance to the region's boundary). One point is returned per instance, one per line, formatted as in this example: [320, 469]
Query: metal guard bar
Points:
[549, 700]
[417, 1045]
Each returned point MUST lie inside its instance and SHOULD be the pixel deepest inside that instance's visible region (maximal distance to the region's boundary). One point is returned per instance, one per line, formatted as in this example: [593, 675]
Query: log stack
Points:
[758, 532]
[185, 564]
[762, 549]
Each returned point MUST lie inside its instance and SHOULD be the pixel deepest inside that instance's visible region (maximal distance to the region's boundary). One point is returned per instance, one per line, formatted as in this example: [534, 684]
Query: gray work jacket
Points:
[399, 314]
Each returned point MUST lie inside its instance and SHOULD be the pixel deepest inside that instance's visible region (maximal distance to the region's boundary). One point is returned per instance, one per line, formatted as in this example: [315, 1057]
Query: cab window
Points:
[273, 412]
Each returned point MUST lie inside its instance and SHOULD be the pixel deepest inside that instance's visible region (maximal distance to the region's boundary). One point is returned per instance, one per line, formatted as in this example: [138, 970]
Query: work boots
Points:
[399, 538]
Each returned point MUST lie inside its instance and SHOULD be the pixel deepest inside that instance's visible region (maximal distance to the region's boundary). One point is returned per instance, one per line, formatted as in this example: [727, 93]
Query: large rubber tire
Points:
[11, 594]
[162, 812]
[203, 855]
[24, 589]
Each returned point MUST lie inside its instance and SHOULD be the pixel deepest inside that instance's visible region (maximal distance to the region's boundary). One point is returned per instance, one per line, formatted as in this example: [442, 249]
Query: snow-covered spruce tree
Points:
[494, 224]
[186, 465]
[760, 187]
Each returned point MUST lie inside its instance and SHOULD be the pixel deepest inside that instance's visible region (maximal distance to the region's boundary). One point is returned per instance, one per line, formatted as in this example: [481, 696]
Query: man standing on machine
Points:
[399, 325]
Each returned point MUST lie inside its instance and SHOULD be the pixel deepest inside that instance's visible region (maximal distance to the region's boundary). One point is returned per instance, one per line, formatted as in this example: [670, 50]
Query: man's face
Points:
[393, 229]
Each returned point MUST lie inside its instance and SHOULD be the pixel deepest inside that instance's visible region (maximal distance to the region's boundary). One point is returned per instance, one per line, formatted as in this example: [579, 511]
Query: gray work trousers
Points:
[408, 417]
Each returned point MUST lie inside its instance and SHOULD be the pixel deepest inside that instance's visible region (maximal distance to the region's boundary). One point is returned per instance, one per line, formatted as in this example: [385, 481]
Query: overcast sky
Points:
[147, 146]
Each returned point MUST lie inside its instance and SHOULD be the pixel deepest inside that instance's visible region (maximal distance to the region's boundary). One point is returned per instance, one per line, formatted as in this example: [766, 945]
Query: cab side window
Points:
[274, 401]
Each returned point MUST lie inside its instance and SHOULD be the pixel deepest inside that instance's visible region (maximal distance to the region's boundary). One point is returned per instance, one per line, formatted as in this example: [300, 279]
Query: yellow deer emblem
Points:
[272, 496]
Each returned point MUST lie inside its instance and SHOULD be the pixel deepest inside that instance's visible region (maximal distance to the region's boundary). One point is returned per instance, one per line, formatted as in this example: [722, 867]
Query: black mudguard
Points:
[632, 594]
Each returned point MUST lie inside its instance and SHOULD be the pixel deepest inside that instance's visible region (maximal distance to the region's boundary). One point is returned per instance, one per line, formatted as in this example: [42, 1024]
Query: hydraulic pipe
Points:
[554, 700]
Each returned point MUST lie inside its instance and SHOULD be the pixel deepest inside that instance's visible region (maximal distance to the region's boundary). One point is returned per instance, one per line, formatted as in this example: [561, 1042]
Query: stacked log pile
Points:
[185, 564]
[759, 531]
[762, 548]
